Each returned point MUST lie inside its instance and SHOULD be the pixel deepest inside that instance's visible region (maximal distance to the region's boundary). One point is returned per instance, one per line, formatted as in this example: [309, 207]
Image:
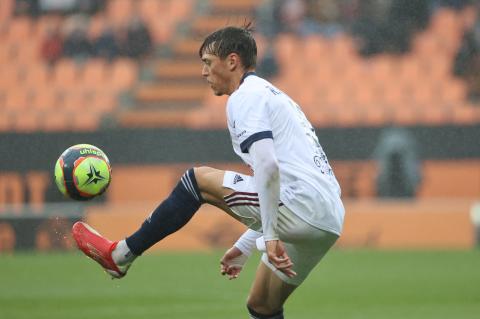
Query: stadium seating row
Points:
[161, 18]
[336, 87]
[326, 76]
[66, 89]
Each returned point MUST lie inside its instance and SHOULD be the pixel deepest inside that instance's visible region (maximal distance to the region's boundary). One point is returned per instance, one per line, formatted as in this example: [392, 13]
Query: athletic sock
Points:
[256, 315]
[121, 255]
[171, 215]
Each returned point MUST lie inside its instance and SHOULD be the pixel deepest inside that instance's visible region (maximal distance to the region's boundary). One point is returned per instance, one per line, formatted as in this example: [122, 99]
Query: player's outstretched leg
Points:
[171, 215]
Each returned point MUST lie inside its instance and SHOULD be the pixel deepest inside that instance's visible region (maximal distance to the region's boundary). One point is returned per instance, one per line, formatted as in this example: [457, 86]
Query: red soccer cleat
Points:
[97, 247]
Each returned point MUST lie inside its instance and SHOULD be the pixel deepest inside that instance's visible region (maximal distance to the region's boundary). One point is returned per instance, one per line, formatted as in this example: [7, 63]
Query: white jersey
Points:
[308, 187]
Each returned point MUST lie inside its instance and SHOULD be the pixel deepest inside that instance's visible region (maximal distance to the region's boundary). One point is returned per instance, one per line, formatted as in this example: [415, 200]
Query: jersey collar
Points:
[246, 74]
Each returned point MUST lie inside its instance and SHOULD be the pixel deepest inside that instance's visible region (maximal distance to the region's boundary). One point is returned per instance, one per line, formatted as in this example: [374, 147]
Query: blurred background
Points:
[392, 88]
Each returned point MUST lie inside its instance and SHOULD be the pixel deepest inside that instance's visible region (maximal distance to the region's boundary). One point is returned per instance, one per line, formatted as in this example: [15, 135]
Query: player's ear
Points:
[233, 61]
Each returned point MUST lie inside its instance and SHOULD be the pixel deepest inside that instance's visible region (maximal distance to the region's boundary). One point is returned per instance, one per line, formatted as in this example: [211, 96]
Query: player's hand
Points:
[277, 255]
[232, 263]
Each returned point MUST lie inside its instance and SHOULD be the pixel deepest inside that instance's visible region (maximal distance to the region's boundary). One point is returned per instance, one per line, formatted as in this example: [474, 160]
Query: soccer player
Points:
[291, 205]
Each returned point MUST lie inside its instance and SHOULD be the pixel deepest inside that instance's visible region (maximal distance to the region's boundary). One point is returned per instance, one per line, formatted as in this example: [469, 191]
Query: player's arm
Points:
[267, 182]
[233, 260]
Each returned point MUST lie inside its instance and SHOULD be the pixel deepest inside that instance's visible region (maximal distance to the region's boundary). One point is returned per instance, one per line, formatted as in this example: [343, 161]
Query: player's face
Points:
[217, 73]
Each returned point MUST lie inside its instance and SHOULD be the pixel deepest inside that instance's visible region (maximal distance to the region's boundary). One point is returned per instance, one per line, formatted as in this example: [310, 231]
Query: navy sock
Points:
[256, 315]
[171, 215]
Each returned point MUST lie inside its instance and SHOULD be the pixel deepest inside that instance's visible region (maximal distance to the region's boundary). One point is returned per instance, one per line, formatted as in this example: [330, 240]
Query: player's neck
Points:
[239, 78]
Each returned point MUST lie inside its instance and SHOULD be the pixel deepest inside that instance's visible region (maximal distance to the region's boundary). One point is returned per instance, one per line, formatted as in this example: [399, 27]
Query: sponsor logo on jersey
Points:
[237, 179]
[242, 133]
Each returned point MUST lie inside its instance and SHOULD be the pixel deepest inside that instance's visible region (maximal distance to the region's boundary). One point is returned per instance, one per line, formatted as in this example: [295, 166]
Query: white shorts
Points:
[306, 245]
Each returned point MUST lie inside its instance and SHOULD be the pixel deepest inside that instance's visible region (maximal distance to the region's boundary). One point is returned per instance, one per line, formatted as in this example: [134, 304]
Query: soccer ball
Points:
[82, 172]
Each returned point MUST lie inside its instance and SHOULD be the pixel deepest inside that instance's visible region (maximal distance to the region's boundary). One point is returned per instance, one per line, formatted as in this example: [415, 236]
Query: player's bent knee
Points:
[209, 179]
[254, 313]
[205, 175]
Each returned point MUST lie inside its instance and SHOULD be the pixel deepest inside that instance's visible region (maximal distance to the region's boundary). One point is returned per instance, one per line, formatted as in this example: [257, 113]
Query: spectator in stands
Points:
[267, 16]
[404, 19]
[467, 61]
[327, 14]
[268, 65]
[294, 20]
[399, 172]
[29, 7]
[267, 24]
[455, 4]
[105, 46]
[77, 45]
[138, 39]
[52, 46]
[388, 26]
[90, 6]
[301, 17]
[368, 26]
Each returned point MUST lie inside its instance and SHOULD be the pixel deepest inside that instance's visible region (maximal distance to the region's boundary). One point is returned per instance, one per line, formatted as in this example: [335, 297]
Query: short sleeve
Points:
[250, 119]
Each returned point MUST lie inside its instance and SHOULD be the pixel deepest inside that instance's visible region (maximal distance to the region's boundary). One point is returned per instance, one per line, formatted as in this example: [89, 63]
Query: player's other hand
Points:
[232, 263]
[277, 255]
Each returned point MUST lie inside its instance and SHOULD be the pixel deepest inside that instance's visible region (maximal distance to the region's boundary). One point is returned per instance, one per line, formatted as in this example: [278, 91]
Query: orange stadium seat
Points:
[66, 74]
[465, 114]
[233, 6]
[74, 101]
[314, 49]
[348, 116]
[377, 116]
[152, 9]
[424, 94]
[438, 68]
[425, 45]
[93, 73]
[5, 121]
[45, 99]
[123, 74]
[161, 29]
[56, 120]
[391, 95]
[6, 9]
[102, 101]
[18, 99]
[26, 122]
[286, 49]
[405, 115]
[119, 11]
[381, 69]
[10, 75]
[4, 54]
[86, 121]
[3, 96]
[435, 115]
[454, 91]
[444, 21]
[27, 53]
[180, 9]
[37, 75]
[342, 48]
[363, 93]
[20, 30]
